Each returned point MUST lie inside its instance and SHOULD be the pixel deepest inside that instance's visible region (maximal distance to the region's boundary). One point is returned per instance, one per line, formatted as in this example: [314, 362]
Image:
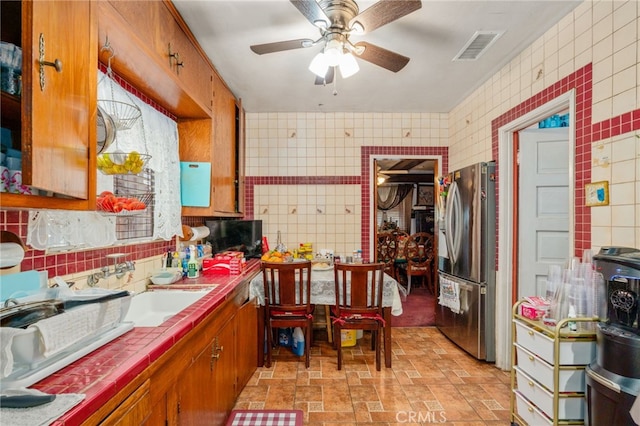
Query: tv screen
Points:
[236, 235]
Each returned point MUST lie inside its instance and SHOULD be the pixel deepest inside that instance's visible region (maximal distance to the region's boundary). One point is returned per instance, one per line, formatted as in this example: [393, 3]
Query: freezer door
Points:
[472, 326]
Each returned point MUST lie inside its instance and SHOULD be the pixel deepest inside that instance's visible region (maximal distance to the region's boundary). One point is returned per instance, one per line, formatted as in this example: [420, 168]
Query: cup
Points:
[349, 259]
[4, 179]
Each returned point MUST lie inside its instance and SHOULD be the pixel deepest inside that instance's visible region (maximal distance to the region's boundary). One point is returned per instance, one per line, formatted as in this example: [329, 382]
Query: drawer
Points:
[529, 413]
[568, 380]
[572, 351]
[569, 408]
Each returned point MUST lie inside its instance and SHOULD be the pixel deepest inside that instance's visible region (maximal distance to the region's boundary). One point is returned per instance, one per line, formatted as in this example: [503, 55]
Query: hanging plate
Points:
[106, 130]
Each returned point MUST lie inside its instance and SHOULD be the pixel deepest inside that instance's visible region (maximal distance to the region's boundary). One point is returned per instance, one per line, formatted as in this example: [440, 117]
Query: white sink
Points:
[152, 308]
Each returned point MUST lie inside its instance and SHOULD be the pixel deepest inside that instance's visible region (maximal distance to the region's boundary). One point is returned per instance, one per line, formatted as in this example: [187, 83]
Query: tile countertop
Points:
[104, 372]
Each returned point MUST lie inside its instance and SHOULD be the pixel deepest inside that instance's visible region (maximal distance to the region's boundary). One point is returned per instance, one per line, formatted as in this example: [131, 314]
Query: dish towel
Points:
[41, 415]
[449, 294]
[6, 352]
[61, 331]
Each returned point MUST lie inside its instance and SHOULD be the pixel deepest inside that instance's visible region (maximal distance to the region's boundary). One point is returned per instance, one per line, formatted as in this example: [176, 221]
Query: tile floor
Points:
[431, 381]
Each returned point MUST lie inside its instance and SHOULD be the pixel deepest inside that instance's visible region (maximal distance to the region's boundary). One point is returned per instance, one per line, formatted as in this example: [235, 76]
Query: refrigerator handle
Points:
[458, 228]
[452, 222]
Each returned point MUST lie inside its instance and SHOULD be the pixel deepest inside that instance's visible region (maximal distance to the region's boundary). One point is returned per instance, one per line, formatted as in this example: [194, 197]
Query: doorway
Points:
[508, 242]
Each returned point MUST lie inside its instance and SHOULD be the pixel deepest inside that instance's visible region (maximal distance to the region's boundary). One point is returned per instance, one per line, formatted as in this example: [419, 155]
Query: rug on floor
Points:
[265, 418]
[418, 309]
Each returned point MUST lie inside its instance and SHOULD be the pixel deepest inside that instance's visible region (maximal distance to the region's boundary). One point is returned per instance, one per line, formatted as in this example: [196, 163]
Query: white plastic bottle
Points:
[298, 341]
[193, 268]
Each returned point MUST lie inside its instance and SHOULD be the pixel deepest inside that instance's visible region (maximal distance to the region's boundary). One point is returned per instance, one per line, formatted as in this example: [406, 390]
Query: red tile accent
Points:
[363, 180]
[586, 133]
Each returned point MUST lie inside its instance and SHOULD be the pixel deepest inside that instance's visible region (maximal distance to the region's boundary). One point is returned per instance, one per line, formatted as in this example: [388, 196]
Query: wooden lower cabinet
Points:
[246, 343]
[133, 411]
[197, 381]
[206, 390]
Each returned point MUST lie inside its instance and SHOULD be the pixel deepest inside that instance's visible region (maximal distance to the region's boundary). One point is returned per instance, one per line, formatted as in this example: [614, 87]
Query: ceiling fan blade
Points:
[328, 77]
[312, 11]
[279, 46]
[382, 57]
[383, 12]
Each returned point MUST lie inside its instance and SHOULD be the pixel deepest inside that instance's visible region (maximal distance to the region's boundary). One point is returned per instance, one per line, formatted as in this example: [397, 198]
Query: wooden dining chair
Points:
[387, 251]
[287, 290]
[419, 253]
[358, 303]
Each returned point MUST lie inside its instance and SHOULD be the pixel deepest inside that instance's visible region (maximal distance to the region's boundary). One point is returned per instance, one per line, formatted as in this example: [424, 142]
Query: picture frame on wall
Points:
[425, 195]
[596, 193]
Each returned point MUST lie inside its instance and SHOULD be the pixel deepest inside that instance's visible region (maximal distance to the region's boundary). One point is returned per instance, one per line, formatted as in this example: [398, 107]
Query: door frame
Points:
[373, 189]
[508, 237]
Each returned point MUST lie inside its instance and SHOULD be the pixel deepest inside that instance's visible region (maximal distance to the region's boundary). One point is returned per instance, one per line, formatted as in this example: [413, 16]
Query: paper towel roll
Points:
[199, 233]
[11, 254]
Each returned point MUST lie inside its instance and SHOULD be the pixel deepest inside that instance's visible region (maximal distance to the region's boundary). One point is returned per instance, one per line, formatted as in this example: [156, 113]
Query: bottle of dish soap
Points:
[193, 268]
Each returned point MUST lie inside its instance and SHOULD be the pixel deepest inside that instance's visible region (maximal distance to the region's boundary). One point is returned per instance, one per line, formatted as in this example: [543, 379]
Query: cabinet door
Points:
[246, 343]
[133, 411]
[206, 389]
[225, 149]
[224, 371]
[58, 106]
[190, 66]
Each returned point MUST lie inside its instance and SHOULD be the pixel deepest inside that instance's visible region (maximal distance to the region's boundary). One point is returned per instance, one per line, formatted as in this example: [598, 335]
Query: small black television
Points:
[236, 235]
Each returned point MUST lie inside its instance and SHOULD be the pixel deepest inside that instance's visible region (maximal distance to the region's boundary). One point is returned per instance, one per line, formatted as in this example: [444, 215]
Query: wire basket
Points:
[124, 205]
[124, 114]
[122, 163]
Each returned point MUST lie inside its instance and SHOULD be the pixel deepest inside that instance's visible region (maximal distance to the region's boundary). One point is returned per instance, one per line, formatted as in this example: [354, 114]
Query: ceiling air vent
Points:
[477, 45]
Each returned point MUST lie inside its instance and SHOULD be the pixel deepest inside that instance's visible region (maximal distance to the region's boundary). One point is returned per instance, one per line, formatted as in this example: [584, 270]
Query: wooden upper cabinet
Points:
[225, 159]
[57, 107]
[185, 59]
[140, 33]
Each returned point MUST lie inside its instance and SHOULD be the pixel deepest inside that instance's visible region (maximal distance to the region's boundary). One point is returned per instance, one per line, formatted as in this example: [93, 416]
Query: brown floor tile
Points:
[431, 381]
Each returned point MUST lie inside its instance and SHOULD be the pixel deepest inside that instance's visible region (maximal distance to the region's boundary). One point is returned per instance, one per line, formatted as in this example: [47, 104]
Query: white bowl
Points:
[166, 277]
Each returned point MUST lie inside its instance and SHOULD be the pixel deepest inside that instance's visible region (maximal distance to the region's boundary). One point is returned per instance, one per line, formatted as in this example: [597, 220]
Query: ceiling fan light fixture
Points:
[348, 65]
[319, 65]
[333, 52]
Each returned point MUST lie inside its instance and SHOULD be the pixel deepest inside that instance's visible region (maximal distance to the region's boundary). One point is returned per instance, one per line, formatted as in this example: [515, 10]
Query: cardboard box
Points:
[225, 263]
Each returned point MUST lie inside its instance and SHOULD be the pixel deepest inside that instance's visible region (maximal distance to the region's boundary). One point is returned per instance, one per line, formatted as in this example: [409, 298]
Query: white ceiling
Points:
[430, 36]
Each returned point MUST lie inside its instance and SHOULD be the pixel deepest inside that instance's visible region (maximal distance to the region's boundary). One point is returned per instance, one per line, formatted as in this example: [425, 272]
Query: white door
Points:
[544, 206]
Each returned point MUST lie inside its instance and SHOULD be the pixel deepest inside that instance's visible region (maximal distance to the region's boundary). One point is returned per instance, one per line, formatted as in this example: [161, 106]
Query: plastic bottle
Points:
[298, 341]
[193, 268]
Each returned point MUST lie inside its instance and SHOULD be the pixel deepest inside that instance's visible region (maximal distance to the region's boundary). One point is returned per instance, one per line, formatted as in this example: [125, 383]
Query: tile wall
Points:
[308, 174]
[594, 50]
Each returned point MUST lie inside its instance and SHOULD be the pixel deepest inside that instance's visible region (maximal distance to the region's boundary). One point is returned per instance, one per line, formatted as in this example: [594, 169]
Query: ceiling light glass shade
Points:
[319, 65]
[381, 179]
[333, 53]
[348, 65]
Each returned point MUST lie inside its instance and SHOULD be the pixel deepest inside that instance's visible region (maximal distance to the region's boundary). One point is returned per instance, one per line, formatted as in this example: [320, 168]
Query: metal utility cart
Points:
[548, 373]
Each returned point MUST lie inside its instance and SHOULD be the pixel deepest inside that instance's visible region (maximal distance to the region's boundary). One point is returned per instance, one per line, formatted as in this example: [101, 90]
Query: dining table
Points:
[323, 292]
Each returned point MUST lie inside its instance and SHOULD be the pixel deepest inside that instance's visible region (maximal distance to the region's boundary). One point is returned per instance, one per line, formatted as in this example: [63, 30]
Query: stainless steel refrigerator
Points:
[466, 260]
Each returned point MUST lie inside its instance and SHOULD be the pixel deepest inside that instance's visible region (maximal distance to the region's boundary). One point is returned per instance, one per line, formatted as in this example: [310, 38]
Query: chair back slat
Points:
[359, 287]
[287, 285]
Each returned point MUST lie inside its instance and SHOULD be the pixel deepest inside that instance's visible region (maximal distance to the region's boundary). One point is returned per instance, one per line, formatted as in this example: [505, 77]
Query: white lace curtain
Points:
[155, 134]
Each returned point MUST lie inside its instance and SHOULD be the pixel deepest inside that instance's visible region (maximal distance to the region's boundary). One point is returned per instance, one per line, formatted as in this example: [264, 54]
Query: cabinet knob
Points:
[57, 63]
[531, 384]
[530, 333]
[530, 409]
[531, 358]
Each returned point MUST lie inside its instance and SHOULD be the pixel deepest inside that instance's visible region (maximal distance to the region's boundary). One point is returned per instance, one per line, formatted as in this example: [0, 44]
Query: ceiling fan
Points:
[337, 21]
